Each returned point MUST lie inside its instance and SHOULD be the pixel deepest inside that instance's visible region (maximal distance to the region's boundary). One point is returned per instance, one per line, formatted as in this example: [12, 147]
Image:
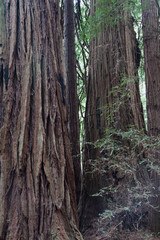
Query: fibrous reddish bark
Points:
[150, 21]
[37, 194]
[151, 42]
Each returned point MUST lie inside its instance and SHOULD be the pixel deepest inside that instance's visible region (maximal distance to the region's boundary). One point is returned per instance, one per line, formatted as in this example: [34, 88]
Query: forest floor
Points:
[133, 235]
[108, 230]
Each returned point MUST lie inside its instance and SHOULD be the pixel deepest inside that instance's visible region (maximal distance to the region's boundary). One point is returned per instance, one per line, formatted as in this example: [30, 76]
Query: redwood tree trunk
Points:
[37, 193]
[112, 65]
[150, 21]
[71, 90]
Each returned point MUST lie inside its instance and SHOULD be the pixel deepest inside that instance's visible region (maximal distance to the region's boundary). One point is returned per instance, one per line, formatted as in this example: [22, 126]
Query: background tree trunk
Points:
[113, 74]
[150, 23]
[71, 90]
[37, 193]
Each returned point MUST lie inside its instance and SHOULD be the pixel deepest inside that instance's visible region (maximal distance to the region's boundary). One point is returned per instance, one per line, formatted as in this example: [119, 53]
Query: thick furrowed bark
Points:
[150, 21]
[37, 179]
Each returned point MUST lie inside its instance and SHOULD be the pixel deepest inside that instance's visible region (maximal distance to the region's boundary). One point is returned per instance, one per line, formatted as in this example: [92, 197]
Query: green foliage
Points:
[117, 143]
[131, 157]
[119, 97]
[110, 12]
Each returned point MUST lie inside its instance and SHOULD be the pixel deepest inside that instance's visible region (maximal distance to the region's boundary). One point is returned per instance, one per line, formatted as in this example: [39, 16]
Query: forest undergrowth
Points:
[129, 162]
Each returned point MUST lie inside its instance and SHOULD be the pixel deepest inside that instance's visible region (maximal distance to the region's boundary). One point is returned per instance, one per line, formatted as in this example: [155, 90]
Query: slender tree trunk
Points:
[71, 90]
[112, 70]
[37, 193]
[150, 22]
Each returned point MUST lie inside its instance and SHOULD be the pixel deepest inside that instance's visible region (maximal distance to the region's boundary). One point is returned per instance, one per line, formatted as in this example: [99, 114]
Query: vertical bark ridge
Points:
[3, 59]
